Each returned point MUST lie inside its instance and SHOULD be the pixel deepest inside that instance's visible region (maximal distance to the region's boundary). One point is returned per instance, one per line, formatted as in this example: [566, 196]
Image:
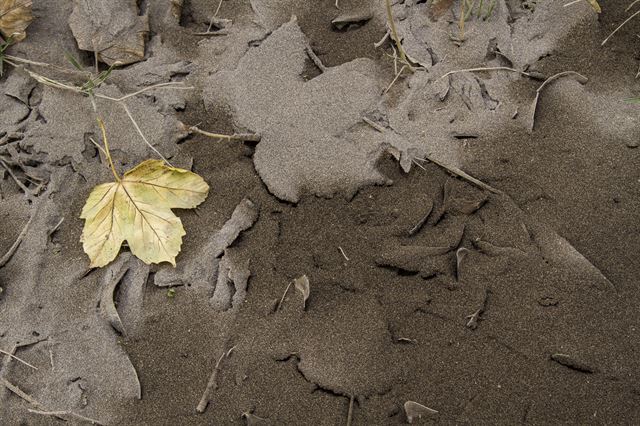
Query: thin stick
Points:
[394, 34]
[373, 124]
[16, 390]
[217, 9]
[61, 414]
[620, 26]
[343, 254]
[135, 124]
[581, 78]
[106, 148]
[571, 3]
[213, 383]
[394, 80]
[382, 40]
[631, 5]
[337, 4]
[7, 257]
[172, 84]
[312, 55]
[97, 145]
[488, 69]
[456, 171]
[350, 413]
[243, 137]
[44, 65]
[18, 359]
[286, 290]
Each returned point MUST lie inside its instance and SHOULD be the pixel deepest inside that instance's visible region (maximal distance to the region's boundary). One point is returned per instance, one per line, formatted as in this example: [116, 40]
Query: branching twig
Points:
[27, 192]
[213, 383]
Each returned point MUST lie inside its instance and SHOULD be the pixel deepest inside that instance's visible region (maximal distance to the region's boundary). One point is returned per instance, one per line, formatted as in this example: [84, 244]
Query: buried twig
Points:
[9, 254]
[17, 359]
[61, 414]
[533, 76]
[41, 409]
[456, 171]
[350, 412]
[581, 79]
[373, 124]
[620, 26]
[213, 383]
[242, 137]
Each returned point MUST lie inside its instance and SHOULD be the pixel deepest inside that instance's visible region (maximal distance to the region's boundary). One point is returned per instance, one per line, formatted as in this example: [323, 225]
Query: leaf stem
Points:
[394, 35]
[106, 148]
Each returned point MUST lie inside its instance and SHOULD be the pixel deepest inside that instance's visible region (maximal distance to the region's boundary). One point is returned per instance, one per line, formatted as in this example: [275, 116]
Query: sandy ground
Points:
[517, 306]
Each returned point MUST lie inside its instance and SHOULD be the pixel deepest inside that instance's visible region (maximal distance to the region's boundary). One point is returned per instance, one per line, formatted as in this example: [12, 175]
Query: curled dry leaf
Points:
[303, 286]
[137, 209]
[15, 17]
[414, 411]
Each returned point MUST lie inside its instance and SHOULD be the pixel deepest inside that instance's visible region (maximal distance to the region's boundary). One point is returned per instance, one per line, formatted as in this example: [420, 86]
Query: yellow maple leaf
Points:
[137, 209]
[15, 17]
[595, 5]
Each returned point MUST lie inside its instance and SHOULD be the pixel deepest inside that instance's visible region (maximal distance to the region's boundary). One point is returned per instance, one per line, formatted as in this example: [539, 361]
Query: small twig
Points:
[343, 254]
[350, 413]
[456, 171]
[243, 137]
[337, 4]
[61, 414]
[620, 26]
[213, 383]
[582, 79]
[7, 257]
[475, 317]
[394, 80]
[286, 290]
[489, 69]
[18, 359]
[126, 109]
[97, 145]
[312, 55]
[45, 65]
[373, 124]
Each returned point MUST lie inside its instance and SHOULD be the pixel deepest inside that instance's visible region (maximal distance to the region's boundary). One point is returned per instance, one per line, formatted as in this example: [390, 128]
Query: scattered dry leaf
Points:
[15, 17]
[303, 286]
[137, 209]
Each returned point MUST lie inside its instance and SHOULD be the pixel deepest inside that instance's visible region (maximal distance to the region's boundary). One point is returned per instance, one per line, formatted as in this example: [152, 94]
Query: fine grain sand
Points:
[512, 306]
